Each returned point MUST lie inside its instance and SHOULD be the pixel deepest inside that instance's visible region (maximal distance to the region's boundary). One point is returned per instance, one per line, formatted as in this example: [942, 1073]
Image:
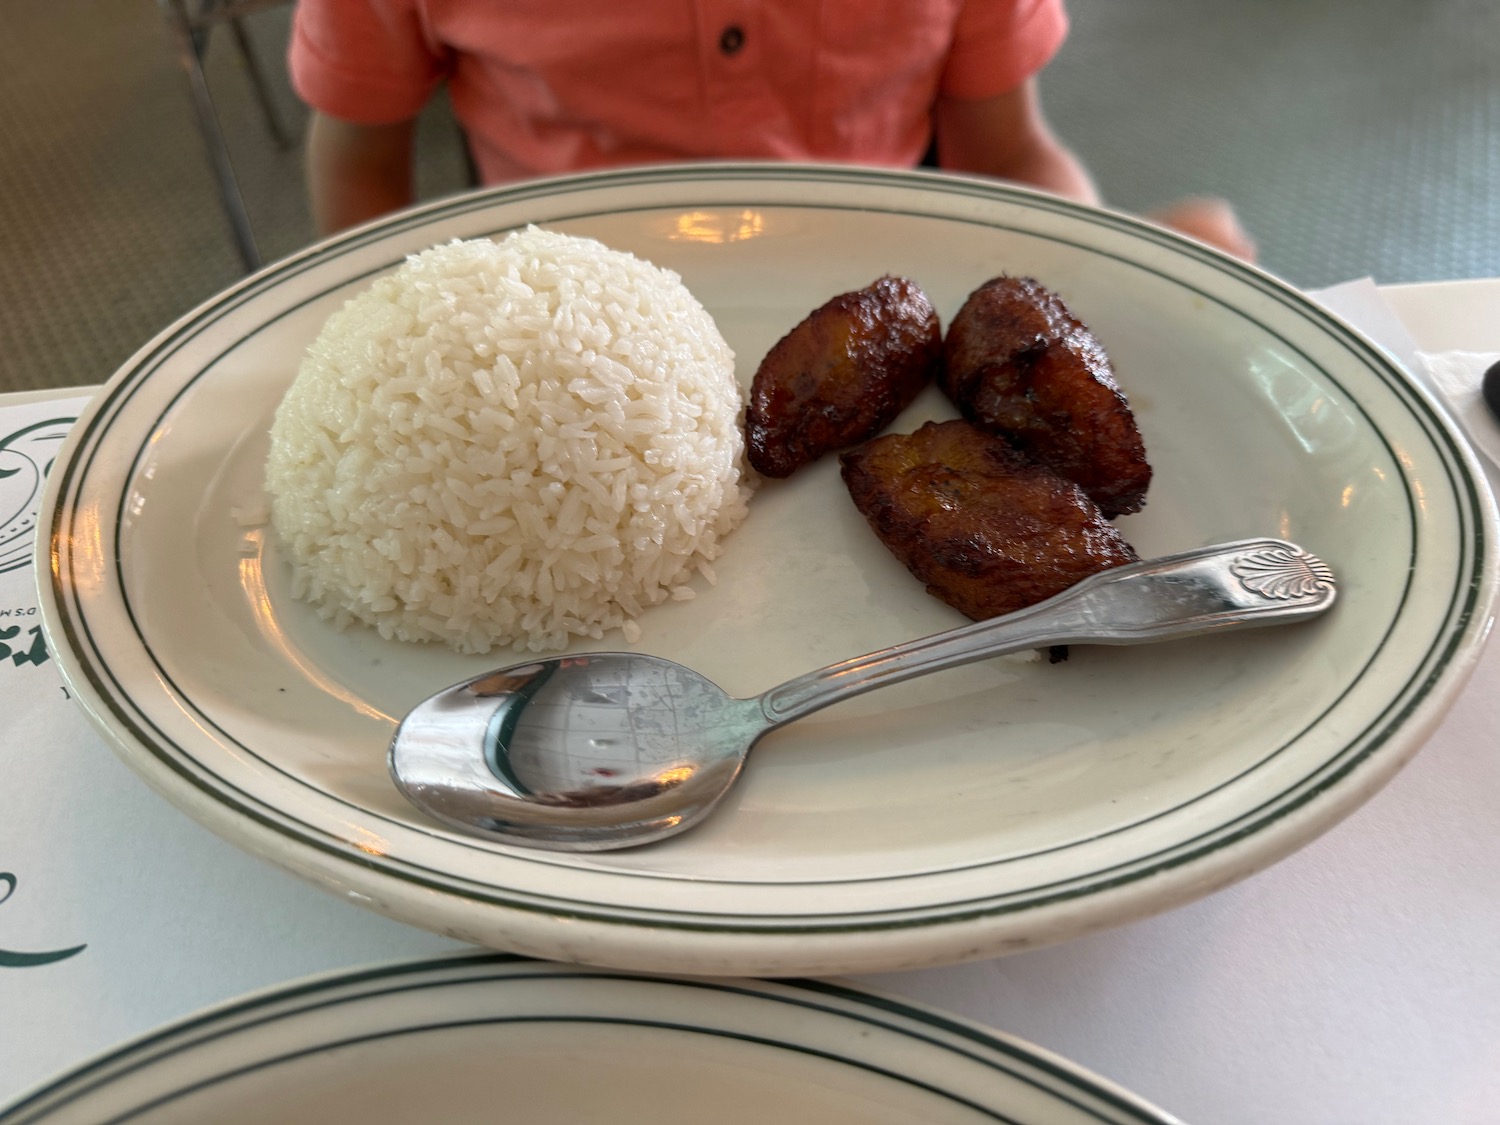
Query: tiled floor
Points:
[1357, 137]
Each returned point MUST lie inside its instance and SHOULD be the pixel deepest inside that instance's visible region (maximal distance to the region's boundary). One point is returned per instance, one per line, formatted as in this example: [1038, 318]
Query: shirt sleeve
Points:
[367, 61]
[999, 44]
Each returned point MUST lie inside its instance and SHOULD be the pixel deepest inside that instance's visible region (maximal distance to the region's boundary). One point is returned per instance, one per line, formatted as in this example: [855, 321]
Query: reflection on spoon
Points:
[611, 750]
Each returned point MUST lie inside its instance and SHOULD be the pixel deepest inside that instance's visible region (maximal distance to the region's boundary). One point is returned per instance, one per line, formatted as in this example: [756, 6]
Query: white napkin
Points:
[1452, 377]
[1361, 304]
[1455, 378]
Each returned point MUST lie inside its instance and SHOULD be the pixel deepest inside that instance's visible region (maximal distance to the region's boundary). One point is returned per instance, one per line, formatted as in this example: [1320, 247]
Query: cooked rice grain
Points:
[511, 443]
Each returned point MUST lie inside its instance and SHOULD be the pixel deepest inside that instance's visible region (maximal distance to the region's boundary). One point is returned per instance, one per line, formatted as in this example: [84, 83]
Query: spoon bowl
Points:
[597, 751]
[576, 752]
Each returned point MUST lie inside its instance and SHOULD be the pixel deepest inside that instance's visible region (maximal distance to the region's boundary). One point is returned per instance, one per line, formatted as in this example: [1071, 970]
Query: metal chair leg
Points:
[213, 136]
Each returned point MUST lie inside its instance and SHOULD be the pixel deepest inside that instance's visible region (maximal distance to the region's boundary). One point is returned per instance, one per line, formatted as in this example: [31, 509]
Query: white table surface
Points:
[1356, 982]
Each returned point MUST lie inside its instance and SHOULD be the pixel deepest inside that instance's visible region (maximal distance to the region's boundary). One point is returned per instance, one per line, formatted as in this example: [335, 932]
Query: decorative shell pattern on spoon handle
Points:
[1284, 574]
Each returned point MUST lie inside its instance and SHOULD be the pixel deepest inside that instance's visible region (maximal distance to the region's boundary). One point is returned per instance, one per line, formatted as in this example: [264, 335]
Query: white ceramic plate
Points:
[967, 814]
[497, 1038]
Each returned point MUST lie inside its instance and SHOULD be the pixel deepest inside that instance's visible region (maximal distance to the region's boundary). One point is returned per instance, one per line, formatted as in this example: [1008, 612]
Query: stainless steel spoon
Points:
[610, 750]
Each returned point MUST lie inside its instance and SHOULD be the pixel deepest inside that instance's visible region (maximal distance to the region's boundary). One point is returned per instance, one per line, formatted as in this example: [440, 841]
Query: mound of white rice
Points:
[509, 443]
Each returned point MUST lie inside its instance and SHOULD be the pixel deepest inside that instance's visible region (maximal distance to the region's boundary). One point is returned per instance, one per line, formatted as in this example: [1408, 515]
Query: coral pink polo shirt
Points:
[547, 86]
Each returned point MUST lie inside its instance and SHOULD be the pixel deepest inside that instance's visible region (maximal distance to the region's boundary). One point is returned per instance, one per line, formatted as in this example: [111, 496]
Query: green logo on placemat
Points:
[25, 457]
[30, 648]
[9, 959]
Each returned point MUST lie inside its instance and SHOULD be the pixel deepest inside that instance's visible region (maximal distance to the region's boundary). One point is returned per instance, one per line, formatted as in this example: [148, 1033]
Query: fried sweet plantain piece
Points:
[986, 530]
[841, 375]
[1017, 363]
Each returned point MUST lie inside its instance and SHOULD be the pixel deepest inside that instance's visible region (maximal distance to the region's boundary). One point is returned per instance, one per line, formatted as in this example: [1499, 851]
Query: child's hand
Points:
[1209, 220]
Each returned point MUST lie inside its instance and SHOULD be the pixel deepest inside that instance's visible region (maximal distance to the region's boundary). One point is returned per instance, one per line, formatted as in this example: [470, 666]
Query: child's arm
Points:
[1007, 137]
[357, 172]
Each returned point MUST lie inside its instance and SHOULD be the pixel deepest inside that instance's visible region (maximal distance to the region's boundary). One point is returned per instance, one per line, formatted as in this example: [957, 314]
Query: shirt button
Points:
[731, 40]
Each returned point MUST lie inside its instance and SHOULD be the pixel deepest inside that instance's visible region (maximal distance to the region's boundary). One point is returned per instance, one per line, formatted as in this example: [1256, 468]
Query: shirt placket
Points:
[730, 52]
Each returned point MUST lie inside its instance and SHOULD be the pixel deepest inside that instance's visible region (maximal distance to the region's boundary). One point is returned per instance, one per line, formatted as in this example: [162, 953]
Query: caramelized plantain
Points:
[1016, 362]
[841, 375]
[986, 530]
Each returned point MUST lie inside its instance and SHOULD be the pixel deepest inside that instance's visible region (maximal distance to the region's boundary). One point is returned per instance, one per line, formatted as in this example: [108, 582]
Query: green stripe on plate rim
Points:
[180, 762]
[1074, 1087]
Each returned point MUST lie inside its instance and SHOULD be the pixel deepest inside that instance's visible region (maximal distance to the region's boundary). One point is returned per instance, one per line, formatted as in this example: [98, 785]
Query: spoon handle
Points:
[1253, 582]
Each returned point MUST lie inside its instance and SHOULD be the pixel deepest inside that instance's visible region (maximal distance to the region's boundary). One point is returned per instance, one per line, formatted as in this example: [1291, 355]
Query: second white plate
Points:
[499, 1038]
